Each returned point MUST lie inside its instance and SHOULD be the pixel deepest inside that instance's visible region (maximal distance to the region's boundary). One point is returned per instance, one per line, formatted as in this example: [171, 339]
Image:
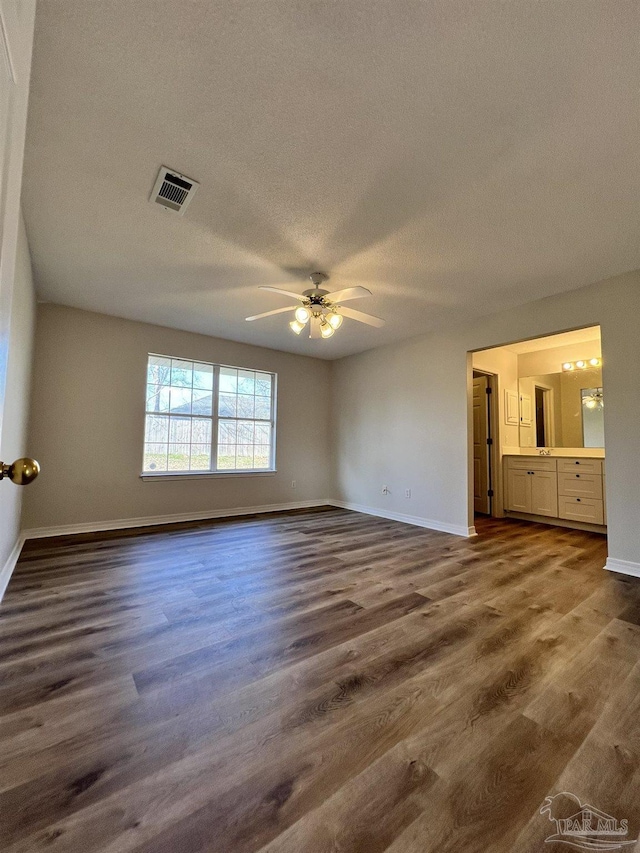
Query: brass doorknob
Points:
[21, 472]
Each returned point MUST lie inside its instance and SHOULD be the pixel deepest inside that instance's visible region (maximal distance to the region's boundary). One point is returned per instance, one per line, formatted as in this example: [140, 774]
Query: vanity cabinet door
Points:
[544, 493]
[518, 490]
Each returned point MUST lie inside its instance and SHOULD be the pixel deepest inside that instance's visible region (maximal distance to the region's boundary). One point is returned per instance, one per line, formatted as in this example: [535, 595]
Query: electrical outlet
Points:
[407, 493]
[385, 490]
[293, 484]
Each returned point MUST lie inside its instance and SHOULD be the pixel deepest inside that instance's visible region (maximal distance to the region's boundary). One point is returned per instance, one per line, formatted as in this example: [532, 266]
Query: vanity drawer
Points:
[531, 463]
[581, 509]
[580, 485]
[588, 466]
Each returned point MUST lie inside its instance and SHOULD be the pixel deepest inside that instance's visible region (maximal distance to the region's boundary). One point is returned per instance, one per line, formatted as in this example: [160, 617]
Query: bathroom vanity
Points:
[559, 489]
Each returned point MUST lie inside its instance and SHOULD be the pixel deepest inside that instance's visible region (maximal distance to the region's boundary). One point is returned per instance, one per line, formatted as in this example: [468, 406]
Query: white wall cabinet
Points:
[570, 489]
[511, 410]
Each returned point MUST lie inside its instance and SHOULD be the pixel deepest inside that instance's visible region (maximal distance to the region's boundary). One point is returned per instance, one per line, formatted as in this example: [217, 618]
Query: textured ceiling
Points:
[454, 157]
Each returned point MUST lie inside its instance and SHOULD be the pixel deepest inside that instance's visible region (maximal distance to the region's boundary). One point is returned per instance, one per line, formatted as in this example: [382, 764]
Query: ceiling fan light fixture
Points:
[303, 315]
[320, 309]
[334, 320]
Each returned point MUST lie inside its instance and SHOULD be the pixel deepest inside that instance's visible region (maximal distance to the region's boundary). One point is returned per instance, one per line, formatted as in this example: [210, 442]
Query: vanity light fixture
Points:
[582, 364]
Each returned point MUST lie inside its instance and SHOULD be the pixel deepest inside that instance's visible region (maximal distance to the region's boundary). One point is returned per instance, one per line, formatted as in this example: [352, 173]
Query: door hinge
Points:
[489, 441]
[487, 390]
[490, 493]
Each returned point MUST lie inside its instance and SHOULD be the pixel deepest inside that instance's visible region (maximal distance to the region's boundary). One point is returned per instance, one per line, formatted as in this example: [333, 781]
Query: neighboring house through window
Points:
[208, 418]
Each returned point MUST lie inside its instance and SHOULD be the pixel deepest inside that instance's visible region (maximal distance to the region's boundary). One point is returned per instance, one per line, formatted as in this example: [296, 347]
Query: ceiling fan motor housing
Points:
[317, 278]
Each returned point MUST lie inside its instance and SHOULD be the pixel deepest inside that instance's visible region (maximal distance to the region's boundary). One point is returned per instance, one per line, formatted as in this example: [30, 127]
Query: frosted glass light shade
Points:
[296, 327]
[302, 314]
[326, 330]
[335, 321]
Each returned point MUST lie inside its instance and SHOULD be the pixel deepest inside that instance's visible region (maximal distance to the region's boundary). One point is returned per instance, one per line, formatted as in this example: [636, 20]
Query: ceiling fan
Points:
[322, 310]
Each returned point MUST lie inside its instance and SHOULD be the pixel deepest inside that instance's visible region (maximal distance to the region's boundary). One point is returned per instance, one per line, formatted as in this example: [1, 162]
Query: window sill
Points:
[199, 475]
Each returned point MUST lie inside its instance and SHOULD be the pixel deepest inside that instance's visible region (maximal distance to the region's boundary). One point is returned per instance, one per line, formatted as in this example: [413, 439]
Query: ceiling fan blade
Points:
[269, 313]
[348, 293]
[283, 292]
[369, 319]
[314, 328]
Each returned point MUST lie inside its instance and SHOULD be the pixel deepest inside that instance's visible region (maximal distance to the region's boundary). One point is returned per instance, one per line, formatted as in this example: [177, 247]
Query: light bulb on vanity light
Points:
[581, 364]
[594, 362]
[296, 327]
[567, 366]
[302, 314]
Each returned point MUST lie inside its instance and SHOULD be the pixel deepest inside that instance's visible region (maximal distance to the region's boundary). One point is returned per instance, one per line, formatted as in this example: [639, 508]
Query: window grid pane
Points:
[180, 434]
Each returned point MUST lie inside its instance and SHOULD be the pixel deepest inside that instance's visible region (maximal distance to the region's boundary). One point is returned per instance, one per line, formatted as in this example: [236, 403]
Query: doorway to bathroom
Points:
[538, 446]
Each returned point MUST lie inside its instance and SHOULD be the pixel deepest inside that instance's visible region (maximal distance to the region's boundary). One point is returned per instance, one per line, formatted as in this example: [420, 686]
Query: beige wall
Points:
[87, 423]
[401, 415]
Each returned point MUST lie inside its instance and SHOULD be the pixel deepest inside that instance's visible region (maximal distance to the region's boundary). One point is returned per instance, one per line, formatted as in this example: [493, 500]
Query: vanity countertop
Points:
[557, 452]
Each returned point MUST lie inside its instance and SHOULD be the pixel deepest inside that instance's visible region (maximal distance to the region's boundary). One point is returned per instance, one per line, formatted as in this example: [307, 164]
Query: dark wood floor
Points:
[315, 681]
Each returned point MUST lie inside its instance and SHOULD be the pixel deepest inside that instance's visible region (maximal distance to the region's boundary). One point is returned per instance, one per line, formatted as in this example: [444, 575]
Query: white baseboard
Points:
[416, 520]
[152, 520]
[9, 566]
[204, 515]
[623, 567]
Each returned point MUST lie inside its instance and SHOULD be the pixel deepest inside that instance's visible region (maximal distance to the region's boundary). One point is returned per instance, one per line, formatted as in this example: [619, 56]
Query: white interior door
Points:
[480, 447]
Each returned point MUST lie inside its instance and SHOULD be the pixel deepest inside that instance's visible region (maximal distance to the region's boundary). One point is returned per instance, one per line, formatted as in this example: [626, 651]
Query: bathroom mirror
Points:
[564, 409]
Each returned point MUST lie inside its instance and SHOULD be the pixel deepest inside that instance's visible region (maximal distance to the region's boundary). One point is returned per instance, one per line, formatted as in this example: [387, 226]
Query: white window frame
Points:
[215, 418]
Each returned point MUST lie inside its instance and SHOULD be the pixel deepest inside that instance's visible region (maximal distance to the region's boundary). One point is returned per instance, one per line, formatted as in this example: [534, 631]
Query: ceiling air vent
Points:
[173, 190]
